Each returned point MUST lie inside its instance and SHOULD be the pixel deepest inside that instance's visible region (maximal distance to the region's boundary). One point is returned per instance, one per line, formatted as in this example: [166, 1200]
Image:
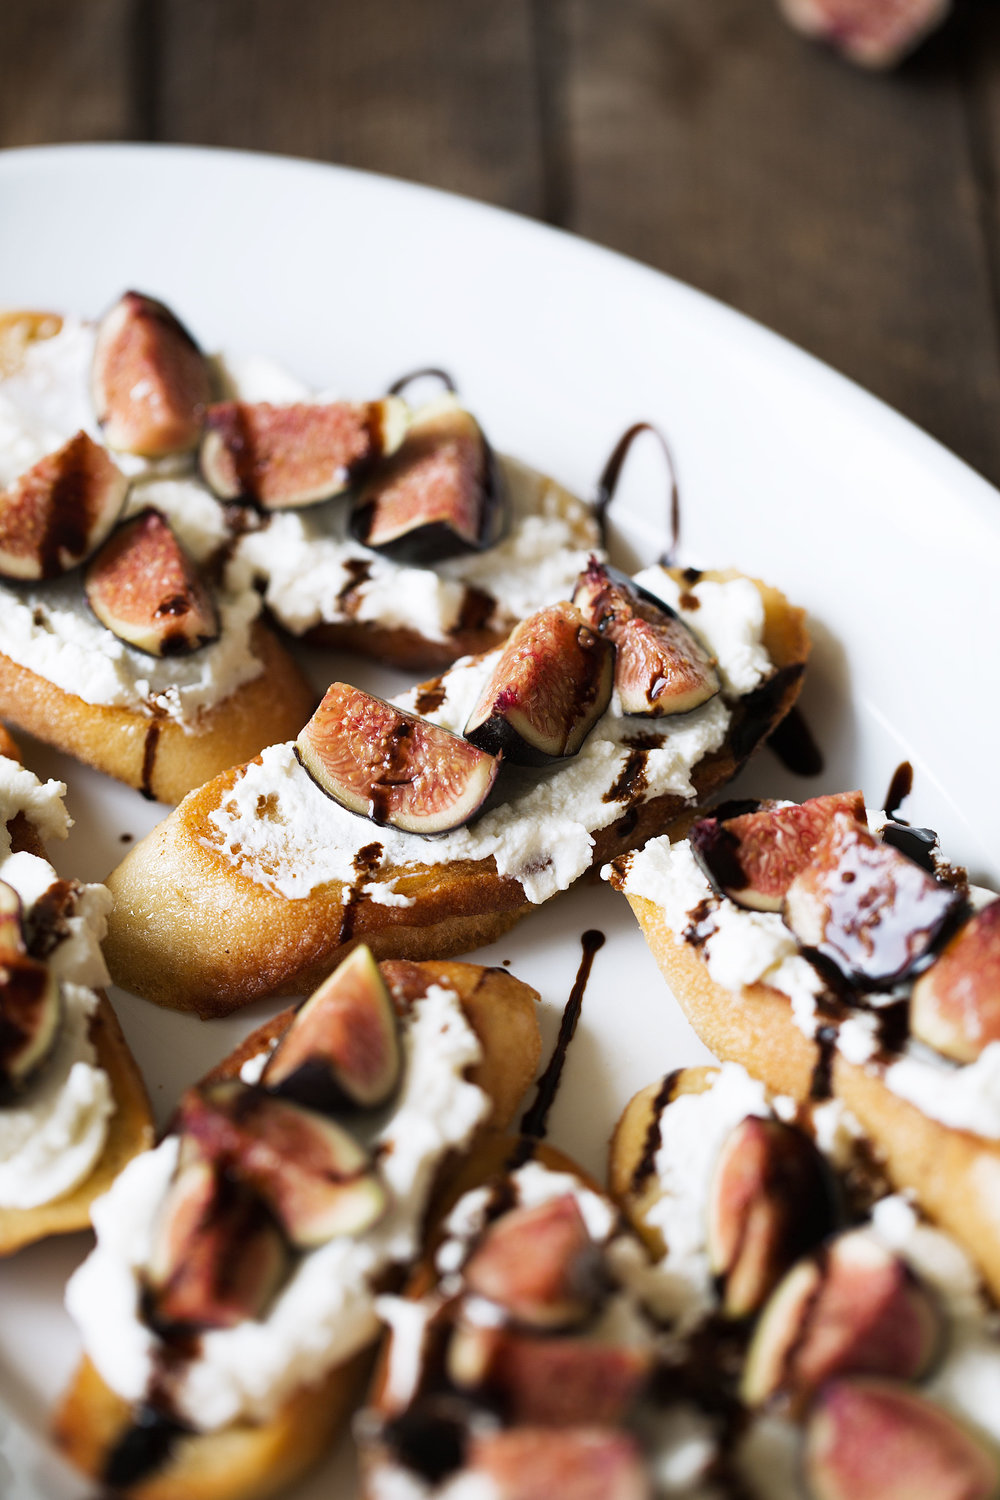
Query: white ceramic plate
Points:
[787, 471]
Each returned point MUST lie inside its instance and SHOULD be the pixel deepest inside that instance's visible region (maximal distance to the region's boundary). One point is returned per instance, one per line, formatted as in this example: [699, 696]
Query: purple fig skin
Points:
[342, 1050]
[31, 1012]
[876, 1440]
[57, 513]
[144, 588]
[539, 1264]
[150, 382]
[552, 683]
[439, 496]
[393, 767]
[660, 666]
[955, 1004]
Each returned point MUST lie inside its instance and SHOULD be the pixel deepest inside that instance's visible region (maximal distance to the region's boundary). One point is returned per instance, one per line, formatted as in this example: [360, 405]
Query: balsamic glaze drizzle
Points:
[431, 372]
[900, 788]
[535, 1120]
[149, 760]
[607, 484]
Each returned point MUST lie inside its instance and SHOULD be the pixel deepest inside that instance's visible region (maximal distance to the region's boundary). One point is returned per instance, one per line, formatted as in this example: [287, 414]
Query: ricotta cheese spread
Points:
[53, 1134]
[281, 831]
[742, 947]
[326, 1311]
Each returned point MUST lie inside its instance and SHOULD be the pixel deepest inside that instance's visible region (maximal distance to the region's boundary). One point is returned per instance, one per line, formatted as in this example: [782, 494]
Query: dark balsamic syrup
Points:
[366, 863]
[47, 923]
[795, 746]
[477, 607]
[149, 760]
[430, 373]
[900, 788]
[917, 844]
[430, 699]
[144, 1447]
[535, 1120]
[821, 1082]
[651, 1144]
[358, 571]
[631, 782]
[607, 484]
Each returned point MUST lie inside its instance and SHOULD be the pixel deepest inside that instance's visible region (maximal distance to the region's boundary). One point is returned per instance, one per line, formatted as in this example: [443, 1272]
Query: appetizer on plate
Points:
[597, 724]
[229, 1307]
[73, 1109]
[835, 953]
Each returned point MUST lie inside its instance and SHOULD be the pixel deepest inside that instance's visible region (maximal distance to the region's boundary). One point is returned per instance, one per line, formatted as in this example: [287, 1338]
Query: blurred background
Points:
[856, 213]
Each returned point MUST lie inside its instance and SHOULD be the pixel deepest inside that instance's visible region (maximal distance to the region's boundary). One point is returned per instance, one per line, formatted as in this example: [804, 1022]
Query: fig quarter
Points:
[150, 382]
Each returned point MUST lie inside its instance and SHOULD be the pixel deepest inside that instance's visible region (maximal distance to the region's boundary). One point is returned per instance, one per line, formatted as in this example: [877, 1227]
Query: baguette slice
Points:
[190, 930]
[954, 1175]
[254, 1460]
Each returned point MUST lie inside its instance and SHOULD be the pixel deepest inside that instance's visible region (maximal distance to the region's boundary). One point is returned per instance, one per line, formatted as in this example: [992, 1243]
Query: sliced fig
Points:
[283, 457]
[31, 1012]
[316, 1179]
[59, 510]
[771, 1200]
[150, 382]
[11, 923]
[539, 1264]
[575, 1463]
[546, 1381]
[852, 1308]
[955, 1005]
[342, 1049]
[875, 1440]
[441, 494]
[874, 33]
[143, 586]
[754, 858]
[865, 906]
[660, 665]
[391, 766]
[551, 685]
[218, 1257]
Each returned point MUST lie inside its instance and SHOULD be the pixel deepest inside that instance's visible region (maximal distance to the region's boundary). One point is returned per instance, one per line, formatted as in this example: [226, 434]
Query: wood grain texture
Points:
[66, 71]
[840, 209]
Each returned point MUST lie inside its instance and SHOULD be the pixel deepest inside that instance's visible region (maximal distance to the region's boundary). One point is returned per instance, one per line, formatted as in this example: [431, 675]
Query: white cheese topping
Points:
[326, 1311]
[52, 1135]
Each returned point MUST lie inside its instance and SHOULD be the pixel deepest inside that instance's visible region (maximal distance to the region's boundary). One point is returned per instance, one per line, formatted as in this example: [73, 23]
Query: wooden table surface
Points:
[857, 214]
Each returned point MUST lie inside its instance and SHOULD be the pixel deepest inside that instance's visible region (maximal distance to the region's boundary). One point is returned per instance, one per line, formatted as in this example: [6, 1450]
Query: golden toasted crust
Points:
[250, 1461]
[157, 756]
[955, 1176]
[20, 328]
[190, 931]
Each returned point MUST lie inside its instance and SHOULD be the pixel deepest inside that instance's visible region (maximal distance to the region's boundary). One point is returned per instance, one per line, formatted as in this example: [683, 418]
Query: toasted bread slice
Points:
[256, 1459]
[190, 929]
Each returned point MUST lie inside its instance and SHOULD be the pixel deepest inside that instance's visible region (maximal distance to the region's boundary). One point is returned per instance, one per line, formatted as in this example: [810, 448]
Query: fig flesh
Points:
[285, 457]
[316, 1179]
[11, 922]
[874, 33]
[955, 1004]
[865, 906]
[660, 666]
[575, 1463]
[550, 686]
[539, 1264]
[59, 510]
[875, 1440]
[391, 766]
[146, 590]
[852, 1308]
[440, 495]
[30, 1017]
[150, 382]
[217, 1256]
[754, 858]
[342, 1049]
[771, 1199]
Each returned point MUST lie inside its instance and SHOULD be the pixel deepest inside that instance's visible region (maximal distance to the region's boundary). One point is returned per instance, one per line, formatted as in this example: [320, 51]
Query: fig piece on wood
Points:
[316, 1179]
[284, 457]
[440, 495]
[31, 1012]
[865, 906]
[660, 666]
[391, 766]
[11, 922]
[217, 1256]
[550, 686]
[874, 33]
[575, 1463]
[146, 590]
[754, 858]
[955, 1005]
[851, 1308]
[876, 1440]
[342, 1050]
[150, 383]
[771, 1199]
[55, 514]
[539, 1264]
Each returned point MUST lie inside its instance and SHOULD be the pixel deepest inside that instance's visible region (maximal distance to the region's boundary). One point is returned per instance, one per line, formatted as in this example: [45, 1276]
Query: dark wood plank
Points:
[66, 71]
[439, 91]
[837, 207]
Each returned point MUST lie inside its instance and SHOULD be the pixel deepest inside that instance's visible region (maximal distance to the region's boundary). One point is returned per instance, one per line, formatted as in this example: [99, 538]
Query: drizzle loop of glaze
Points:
[535, 1120]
